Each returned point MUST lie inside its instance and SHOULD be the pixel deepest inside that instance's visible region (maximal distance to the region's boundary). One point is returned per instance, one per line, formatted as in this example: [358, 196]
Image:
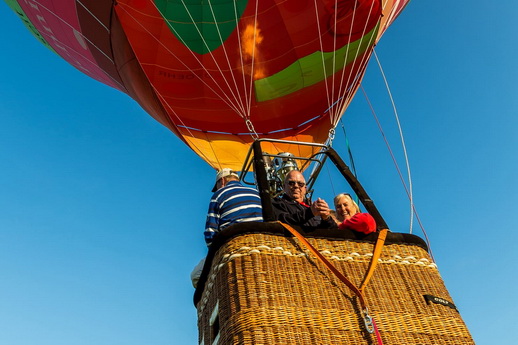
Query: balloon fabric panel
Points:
[58, 24]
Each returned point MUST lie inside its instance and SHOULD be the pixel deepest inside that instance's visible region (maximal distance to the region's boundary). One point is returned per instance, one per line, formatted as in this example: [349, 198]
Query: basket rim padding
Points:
[277, 229]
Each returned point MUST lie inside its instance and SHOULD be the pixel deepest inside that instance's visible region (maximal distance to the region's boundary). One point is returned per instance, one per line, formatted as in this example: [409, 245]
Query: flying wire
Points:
[407, 163]
[353, 78]
[413, 209]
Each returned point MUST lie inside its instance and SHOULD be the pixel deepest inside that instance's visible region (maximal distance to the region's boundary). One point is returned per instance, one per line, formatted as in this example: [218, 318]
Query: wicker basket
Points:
[262, 288]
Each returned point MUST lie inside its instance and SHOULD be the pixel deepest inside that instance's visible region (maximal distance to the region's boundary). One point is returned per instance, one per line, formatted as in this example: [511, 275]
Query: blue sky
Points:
[103, 208]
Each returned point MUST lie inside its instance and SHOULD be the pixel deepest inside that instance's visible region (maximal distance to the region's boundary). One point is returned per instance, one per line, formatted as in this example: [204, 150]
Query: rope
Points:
[337, 108]
[237, 98]
[330, 180]
[222, 95]
[410, 192]
[413, 208]
[349, 151]
[363, 65]
[191, 143]
[165, 101]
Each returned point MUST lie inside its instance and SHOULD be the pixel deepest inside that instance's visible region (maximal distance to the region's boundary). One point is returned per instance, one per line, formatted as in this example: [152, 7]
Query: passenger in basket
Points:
[291, 208]
[231, 203]
[349, 216]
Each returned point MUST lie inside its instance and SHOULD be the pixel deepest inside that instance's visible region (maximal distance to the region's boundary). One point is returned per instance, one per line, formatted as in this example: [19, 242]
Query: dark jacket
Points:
[292, 212]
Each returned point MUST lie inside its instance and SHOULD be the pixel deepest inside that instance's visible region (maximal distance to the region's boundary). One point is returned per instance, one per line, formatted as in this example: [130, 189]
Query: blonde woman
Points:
[349, 216]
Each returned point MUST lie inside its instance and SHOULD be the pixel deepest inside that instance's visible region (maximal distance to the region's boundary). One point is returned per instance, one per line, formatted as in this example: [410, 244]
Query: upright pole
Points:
[262, 182]
[357, 188]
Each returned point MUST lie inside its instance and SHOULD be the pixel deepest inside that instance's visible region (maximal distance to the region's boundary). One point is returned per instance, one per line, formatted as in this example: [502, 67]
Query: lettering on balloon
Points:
[183, 76]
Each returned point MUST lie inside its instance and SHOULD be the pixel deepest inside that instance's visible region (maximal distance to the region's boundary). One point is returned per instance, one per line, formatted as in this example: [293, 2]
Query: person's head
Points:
[223, 177]
[295, 185]
[345, 207]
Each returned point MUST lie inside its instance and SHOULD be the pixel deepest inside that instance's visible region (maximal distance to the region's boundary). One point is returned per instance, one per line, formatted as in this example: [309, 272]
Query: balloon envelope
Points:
[222, 73]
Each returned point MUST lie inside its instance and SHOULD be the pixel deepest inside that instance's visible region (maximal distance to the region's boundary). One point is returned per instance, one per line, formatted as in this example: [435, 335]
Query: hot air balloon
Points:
[240, 78]
[220, 74]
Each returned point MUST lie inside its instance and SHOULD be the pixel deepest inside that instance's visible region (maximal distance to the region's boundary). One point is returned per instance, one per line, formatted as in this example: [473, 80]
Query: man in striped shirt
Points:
[231, 203]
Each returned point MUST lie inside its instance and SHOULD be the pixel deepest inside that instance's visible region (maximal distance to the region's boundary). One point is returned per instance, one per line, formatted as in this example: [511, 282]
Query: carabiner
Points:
[367, 319]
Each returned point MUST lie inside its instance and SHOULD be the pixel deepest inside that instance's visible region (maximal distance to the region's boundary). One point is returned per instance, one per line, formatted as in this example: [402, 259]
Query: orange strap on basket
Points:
[327, 263]
[380, 241]
[369, 322]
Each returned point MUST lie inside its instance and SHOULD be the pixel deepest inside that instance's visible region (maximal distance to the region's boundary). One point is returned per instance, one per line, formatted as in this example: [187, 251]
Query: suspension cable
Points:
[407, 163]
[414, 211]
[349, 151]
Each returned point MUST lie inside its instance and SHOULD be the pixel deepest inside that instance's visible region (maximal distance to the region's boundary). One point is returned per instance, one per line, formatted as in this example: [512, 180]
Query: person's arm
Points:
[212, 222]
[291, 215]
[328, 223]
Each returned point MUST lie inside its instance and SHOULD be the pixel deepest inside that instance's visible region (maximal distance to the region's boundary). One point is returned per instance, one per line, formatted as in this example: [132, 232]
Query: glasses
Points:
[298, 183]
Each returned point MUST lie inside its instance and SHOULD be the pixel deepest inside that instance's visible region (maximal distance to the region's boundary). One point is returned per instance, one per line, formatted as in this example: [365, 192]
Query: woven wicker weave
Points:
[270, 290]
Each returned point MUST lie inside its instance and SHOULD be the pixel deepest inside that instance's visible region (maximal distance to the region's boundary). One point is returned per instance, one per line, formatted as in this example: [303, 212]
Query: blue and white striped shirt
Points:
[231, 204]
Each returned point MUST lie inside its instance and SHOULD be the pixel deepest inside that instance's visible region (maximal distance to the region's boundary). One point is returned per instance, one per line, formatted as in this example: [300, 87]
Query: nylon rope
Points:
[246, 105]
[242, 108]
[407, 163]
[334, 56]
[349, 150]
[392, 13]
[362, 63]
[227, 100]
[319, 30]
[330, 180]
[351, 159]
[398, 171]
[234, 105]
[370, 324]
[347, 98]
[342, 102]
[192, 144]
[91, 14]
[237, 90]
[335, 113]
[250, 87]
[249, 123]
[166, 102]
[238, 33]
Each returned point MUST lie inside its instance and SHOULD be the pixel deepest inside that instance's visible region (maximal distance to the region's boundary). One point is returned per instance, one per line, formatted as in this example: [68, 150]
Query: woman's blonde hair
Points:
[348, 197]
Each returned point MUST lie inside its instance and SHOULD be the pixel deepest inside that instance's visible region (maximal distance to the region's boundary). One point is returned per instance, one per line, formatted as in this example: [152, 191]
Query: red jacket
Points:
[361, 222]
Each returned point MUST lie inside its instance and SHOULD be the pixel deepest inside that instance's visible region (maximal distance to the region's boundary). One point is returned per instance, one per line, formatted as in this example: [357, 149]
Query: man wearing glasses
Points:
[291, 208]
